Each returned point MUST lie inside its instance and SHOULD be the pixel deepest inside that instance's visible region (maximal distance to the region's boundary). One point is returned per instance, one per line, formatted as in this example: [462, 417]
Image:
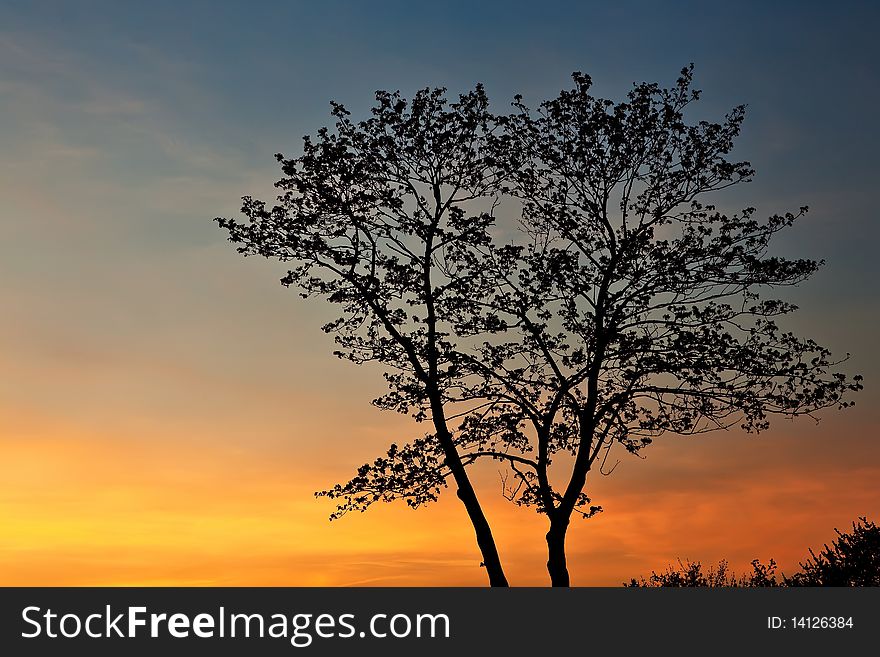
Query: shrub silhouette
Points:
[853, 559]
[691, 574]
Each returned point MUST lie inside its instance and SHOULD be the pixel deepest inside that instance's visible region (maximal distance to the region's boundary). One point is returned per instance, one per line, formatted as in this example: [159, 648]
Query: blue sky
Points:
[143, 121]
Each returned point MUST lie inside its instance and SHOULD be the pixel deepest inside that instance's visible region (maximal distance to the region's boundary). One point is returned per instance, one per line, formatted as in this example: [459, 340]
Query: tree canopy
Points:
[542, 286]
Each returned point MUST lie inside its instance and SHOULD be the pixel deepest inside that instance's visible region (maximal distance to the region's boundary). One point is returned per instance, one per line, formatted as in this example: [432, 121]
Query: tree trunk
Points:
[485, 540]
[466, 492]
[556, 565]
[468, 497]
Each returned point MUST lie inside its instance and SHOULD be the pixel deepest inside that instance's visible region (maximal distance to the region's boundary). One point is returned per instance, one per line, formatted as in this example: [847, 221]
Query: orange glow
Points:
[85, 509]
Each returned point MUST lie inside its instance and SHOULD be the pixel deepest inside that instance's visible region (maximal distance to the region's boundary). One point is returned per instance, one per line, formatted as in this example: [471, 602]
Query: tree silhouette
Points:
[623, 308]
[379, 218]
[636, 308]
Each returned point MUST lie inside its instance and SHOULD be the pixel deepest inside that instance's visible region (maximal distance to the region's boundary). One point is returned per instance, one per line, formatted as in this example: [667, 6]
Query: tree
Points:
[379, 218]
[635, 309]
[624, 307]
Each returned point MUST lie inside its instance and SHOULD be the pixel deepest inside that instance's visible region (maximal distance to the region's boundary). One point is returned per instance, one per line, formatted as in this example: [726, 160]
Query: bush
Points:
[853, 559]
[691, 574]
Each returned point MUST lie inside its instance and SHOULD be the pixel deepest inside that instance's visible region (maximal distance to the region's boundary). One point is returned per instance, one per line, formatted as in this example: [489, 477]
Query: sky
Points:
[167, 409]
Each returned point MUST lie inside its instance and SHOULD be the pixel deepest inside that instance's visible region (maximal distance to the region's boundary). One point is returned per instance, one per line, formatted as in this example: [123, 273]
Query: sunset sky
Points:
[167, 409]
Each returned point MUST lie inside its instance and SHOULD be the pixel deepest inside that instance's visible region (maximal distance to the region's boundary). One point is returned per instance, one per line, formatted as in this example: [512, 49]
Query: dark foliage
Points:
[853, 559]
[691, 574]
